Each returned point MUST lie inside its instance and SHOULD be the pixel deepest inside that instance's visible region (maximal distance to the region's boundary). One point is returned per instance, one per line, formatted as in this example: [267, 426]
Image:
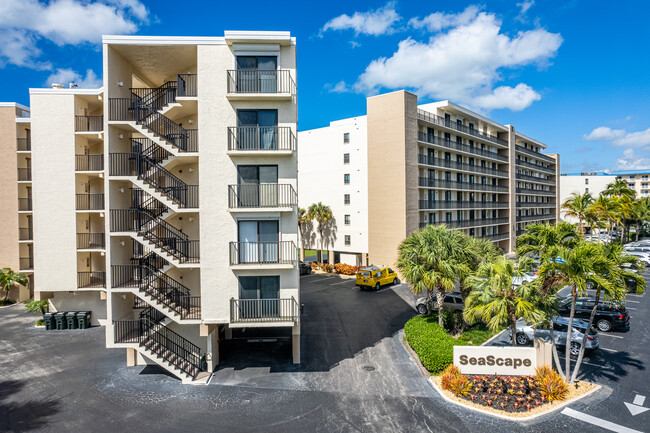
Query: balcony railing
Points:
[91, 241]
[255, 253]
[264, 310]
[535, 179]
[128, 331]
[26, 263]
[432, 139]
[91, 279]
[25, 234]
[24, 204]
[447, 163]
[90, 201]
[261, 138]
[534, 166]
[433, 205]
[89, 123]
[24, 144]
[261, 81]
[89, 162]
[267, 195]
[459, 224]
[533, 153]
[186, 85]
[470, 186]
[24, 174]
[536, 204]
[535, 192]
[494, 236]
[433, 118]
[549, 216]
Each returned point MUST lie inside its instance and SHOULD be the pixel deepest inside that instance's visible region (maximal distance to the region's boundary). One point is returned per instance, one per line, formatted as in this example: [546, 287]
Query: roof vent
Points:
[72, 85]
[58, 86]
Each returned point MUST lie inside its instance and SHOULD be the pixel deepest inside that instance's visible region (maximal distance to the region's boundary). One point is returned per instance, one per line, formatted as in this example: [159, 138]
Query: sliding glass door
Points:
[258, 129]
[257, 74]
[257, 185]
[258, 242]
[259, 297]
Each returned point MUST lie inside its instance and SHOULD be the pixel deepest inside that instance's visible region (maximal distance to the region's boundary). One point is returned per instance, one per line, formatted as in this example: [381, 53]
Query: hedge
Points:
[432, 343]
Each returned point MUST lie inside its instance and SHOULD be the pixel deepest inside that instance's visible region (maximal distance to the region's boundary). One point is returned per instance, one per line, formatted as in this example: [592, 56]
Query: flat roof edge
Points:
[66, 91]
[14, 104]
[163, 40]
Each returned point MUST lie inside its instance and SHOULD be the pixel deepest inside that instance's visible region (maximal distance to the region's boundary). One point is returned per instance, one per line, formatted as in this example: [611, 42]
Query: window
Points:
[632, 177]
[346, 198]
[347, 240]
[259, 287]
[346, 158]
[257, 129]
[586, 181]
[644, 177]
[630, 185]
[347, 220]
[346, 178]
[586, 189]
[346, 137]
[256, 74]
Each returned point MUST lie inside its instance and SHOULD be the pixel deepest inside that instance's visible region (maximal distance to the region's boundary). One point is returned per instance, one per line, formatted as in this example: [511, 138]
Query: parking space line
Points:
[343, 282]
[609, 350]
[608, 425]
[562, 358]
[630, 308]
[602, 334]
[634, 302]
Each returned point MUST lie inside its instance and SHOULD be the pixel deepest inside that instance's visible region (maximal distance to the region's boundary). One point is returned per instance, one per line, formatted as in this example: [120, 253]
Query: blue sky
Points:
[572, 74]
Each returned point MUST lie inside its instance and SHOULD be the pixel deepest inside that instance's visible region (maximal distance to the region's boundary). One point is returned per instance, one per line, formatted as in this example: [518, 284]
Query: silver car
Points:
[453, 301]
[526, 334]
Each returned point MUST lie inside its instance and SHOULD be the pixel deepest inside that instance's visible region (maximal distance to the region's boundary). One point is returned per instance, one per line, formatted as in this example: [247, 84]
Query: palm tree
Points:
[604, 209]
[303, 219]
[577, 265]
[432, 261]
[323, 215]
[480, 250]
[577, 205]
[494, 299]
[619, 188]
[538, 238]
[641, 214]
[9, 278]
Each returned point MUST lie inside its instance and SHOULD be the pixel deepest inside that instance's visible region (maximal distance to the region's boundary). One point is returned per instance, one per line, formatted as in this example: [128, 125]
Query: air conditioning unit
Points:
[58, 86]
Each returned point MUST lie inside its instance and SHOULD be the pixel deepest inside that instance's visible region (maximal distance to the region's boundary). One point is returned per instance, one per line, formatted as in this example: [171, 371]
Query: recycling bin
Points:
[61, 322]
[48, 318]
[71, 320]
[83, 319]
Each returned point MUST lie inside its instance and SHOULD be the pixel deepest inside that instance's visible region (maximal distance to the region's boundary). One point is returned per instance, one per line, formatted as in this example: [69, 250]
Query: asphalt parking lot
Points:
[355, 376]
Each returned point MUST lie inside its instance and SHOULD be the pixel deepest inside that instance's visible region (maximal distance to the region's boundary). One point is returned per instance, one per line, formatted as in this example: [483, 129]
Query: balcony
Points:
[494, 236]
[260, 84]
[529, 191]
[25, 234]
[24, 175]
[435, 205]
[437, 120]
[534, 166]
[93, 279]
[89, 123]
[26, 263]
[549, 216]
[460, 224]
[459, 166]
[265, 196]
[263, 253]
[536, 204]
[432, 139]
[91, 241]
[247, 311]
[90, 201]
[89, 162]
[24, 204]
[535, 179]
[24, 145]
[255, 140]
[186, 85]
[537, 155]
[426, 182]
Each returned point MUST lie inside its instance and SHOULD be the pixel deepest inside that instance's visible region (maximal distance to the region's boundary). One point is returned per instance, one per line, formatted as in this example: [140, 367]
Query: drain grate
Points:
[369, 368]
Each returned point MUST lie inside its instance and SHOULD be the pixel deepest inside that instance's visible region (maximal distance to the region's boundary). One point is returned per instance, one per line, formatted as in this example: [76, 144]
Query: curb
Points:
[489, 340]
[508, 418]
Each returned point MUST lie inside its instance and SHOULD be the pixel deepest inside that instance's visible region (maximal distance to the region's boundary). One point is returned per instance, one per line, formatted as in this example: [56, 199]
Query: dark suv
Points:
[609, 315]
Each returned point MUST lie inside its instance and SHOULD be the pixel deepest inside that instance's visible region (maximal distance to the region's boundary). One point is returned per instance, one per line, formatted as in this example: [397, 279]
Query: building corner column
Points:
[512, 189]
[295, 343]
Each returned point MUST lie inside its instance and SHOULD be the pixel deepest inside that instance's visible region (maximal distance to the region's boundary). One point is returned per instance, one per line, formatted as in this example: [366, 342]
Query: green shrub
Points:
[5, 302]
[37, 307]
[40, 322]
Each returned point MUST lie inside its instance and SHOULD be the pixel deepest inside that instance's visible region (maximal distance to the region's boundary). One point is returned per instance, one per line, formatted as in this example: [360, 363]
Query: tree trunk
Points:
[584, 338]
[513, 329]
[322, 256]
[637, 229]
[440, 295]
[556, 357]
[567, 353]
[580, 226]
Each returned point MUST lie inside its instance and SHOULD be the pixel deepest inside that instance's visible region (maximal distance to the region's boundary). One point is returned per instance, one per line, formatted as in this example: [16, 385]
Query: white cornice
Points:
[162, 40]
[529, 140]
[66, 91]
[14, 104]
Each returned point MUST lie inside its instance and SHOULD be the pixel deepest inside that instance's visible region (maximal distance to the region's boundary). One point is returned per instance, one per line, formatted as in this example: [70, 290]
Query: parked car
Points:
[609, 315]
[305, 268]
[643, 257]
[453, 301]
[526, 334]
[375, 277]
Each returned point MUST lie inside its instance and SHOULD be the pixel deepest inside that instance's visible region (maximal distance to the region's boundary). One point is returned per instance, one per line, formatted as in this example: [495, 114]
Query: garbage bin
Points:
[60, 320]
[48, 318]
[83, 319]
[70, 318]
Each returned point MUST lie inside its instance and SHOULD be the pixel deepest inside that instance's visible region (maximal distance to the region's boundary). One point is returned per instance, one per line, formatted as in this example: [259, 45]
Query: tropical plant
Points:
[323, 215]
[619, 188]
[37, 307]
[480, 250]
[432, 260]
[303, 220]
[550, 384]
[577, 205]
[9, 279]
[496, 301]
[538, 238]
[641, 213]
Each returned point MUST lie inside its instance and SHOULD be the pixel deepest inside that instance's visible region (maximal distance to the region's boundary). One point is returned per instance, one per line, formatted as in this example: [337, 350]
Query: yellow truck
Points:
[374, 277]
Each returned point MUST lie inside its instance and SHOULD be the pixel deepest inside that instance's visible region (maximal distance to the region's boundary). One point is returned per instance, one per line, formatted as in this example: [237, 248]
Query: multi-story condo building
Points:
[418, 165]
[166, 201]
[16, 231]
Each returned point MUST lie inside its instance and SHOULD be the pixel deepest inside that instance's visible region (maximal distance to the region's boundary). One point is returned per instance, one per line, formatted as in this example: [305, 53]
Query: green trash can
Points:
[61, 323]
[48, 318]
[70, 318]
[83, 319]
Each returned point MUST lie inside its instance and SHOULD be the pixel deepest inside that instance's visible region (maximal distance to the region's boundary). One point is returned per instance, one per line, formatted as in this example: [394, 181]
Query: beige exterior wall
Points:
[9, 253]
[512, 196]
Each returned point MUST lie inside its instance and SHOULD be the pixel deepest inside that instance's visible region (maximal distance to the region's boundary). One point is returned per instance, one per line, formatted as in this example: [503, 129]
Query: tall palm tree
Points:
[577, 205]
[480, 250]
[9, 278]
[494, 299]
[619, 188]
[604, 208]
[538, 238]
[432, 261]
[323, 215]
[641, 214]
[303, 219]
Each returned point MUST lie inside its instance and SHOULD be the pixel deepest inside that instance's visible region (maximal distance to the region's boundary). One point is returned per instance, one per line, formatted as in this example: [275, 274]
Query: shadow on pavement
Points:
[24, 416]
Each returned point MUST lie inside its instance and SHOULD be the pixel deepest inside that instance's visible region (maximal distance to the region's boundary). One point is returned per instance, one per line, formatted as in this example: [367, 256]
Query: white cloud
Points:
[524, 6]
[463, 64]
[631, 161]
[64, 22]
[439, 20]
[620, 137]
[375, 22]
[66, 76]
